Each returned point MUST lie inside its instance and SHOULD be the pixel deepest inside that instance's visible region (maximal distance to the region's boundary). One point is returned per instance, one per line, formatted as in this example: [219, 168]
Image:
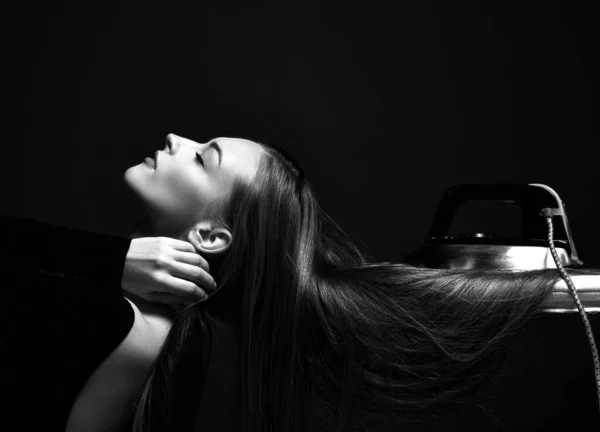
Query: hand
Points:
[166, 270]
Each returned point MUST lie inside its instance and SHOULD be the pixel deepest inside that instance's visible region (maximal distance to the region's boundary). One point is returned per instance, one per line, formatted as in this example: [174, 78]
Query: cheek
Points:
[181, 192]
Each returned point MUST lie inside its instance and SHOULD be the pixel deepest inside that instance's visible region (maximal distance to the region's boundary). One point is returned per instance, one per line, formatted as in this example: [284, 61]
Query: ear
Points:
[208, 238]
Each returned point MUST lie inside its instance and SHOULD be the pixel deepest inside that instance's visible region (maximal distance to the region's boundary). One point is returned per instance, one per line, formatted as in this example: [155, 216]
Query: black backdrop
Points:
[385, 104]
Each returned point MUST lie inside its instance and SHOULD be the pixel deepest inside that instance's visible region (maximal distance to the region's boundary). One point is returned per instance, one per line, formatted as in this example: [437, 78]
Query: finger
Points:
[191, 258]
[181, 245]
[184, 288]
[194, 274]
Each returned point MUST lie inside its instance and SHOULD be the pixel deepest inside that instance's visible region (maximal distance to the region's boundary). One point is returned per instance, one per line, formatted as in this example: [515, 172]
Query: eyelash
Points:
[199, 159]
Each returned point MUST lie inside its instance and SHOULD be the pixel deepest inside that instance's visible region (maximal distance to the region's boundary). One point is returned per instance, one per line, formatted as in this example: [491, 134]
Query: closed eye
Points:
[199, 159]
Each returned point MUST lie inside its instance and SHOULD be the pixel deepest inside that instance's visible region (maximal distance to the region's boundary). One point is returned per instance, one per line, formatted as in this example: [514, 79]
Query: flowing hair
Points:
[325, 337]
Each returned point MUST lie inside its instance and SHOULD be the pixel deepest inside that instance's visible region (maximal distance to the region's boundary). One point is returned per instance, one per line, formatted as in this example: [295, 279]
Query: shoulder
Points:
[105, 402]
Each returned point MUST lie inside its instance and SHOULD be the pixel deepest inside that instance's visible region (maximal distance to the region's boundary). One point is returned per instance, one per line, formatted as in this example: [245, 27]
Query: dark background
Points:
[384, 104]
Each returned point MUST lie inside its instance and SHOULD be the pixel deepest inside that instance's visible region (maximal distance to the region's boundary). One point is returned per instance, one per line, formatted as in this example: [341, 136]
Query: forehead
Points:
[240, 156]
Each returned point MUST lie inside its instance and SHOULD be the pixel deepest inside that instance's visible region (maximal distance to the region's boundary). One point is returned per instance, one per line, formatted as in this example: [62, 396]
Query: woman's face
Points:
[188, 177]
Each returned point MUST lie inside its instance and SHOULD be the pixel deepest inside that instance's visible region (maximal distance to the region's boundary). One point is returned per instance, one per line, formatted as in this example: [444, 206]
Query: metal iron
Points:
[529, 252]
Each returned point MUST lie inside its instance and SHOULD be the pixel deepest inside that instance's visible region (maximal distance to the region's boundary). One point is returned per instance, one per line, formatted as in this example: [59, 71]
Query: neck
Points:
[143, 228]
[149, 309]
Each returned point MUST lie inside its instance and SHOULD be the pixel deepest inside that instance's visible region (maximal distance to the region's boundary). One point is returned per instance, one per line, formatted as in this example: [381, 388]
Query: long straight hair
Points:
[325, 337]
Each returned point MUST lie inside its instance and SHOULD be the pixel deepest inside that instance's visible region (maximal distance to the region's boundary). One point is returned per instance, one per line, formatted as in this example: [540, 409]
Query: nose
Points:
[172, 143]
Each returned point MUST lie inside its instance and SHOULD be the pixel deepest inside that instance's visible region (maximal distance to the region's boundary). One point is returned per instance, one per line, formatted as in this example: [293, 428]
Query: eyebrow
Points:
[218, 149]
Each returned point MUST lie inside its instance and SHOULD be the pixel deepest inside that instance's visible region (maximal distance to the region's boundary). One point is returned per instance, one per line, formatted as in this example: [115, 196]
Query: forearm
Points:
[32, 246]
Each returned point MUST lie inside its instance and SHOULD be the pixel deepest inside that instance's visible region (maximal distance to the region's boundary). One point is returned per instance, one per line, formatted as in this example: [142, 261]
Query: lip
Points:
[156, 159]
[150, 162]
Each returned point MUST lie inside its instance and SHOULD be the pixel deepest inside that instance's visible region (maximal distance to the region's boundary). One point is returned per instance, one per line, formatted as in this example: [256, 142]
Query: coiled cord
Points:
[582, 312]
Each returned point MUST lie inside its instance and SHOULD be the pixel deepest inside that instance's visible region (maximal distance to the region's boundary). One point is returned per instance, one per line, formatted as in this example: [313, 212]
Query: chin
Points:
[134, 179]
[127, 176]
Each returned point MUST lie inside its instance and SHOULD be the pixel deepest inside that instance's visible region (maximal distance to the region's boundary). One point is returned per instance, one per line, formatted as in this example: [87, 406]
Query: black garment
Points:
[61, 315]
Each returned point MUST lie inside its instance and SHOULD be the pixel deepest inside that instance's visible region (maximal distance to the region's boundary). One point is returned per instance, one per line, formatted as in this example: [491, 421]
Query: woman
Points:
[321, 336]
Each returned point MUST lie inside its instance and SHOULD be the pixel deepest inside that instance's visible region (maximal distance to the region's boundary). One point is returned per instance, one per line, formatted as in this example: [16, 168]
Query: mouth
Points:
[156, 158]
[150, 162]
